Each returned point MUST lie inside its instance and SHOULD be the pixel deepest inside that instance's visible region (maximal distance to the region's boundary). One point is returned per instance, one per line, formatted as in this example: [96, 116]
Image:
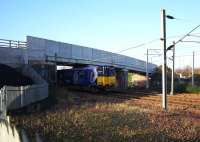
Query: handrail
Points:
[12, 43]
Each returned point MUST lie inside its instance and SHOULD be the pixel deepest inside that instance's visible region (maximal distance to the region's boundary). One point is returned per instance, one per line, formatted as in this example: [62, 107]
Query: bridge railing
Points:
[12, 43]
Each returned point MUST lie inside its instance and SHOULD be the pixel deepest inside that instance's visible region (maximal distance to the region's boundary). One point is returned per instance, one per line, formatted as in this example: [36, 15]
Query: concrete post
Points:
[172, 78]
[125, 72]
[55, 69]
[163, 44]
[147, 73]
[3, 103]
[193, 69]
[25, 52]
[10, 43]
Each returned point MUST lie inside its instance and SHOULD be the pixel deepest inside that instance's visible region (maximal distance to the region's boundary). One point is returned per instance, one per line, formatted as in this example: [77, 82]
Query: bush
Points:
[192, 89]
[186, 88]
[180, 88]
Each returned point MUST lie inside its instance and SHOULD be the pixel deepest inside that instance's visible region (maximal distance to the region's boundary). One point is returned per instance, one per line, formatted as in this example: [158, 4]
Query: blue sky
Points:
[111, 25]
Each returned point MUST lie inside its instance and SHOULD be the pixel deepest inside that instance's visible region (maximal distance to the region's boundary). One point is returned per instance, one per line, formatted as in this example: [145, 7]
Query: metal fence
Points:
[12, 43]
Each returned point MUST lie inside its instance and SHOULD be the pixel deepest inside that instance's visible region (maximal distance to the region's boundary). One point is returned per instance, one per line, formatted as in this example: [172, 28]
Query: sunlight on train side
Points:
[64, 67]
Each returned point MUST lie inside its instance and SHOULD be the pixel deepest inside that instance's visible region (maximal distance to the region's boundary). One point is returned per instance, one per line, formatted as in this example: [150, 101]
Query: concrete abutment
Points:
[122, 78]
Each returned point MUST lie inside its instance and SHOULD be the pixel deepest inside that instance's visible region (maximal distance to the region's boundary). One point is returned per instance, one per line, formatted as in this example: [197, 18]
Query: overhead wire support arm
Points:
[193, 35]
[170, 17]
[188, 34]
[154, 49]
[181, 39]
[153, 54]
[190, 41]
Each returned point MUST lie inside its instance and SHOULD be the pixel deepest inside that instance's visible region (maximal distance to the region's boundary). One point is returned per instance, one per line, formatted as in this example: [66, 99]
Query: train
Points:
[92, 76]
[99, 77]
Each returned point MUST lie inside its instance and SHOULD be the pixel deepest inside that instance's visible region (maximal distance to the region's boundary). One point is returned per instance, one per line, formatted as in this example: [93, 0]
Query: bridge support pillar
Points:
[46, 71]
[3, 105]
[122, 79]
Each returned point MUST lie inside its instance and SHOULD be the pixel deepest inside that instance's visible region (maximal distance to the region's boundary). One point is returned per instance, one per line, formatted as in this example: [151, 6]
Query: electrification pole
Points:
[163, 44]
[56, 79]
[147, 73]
[193, 69]
[172, 78]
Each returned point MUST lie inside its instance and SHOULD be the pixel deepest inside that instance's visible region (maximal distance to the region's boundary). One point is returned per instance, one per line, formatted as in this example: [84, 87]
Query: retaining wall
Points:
[18, 97]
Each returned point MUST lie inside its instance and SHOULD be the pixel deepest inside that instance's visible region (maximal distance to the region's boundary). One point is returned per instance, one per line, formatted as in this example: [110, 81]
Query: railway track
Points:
[143, 97]
[117, 94]
[174, 103]
[171, 100]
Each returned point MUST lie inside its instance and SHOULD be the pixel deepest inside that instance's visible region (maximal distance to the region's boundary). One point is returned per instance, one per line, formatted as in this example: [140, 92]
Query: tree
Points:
[156, 78]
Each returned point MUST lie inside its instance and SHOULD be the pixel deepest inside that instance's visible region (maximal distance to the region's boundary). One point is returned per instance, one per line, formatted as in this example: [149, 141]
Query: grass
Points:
[193, 89]
[104, 119]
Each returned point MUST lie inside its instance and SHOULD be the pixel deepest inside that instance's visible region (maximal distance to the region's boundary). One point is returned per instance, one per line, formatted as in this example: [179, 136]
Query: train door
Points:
[100, 79]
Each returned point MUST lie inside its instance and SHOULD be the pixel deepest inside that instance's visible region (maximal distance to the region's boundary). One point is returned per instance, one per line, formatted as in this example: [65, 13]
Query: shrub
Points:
[192, 89]
[180, 88]
[186, 88]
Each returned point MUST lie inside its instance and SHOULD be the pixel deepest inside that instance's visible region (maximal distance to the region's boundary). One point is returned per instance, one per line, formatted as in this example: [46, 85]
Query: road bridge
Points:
[42, 50]
[38, 58]
[45, 54]
[14, 59]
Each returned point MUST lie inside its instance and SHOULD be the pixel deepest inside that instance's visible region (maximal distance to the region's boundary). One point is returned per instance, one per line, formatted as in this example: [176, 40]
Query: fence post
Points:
[10, 42]
[21, 95]
[18, 44]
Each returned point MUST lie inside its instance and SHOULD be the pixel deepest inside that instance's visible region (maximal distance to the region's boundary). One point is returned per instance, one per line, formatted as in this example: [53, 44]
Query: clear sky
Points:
[111, 25]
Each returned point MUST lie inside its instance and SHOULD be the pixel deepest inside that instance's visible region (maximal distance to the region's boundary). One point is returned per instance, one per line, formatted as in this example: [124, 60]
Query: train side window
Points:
[81, 74]
[92, 76]
[112, 72]
[109, 72]
[100, 71]
[106, 73]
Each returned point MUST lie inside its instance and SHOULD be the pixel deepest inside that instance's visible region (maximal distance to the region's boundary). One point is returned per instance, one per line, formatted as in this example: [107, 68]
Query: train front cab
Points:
[85, 76]
[106, 77]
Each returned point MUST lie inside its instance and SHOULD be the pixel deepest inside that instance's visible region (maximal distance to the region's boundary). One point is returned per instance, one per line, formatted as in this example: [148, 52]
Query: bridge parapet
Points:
[12, 43]
[13, 53]
[43, 49]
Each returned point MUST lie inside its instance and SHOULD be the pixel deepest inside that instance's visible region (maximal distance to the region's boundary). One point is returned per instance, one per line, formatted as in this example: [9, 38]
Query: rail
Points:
[12, 43]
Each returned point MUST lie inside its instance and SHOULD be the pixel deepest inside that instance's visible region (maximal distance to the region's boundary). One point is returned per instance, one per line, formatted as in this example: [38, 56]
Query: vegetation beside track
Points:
[79, 116]
[187, 88]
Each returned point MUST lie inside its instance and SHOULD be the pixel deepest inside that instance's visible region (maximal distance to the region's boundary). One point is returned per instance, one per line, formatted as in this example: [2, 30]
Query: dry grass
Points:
[85, 117]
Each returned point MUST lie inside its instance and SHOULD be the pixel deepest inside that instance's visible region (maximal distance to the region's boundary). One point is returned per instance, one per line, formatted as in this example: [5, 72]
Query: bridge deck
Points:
[43, 49]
